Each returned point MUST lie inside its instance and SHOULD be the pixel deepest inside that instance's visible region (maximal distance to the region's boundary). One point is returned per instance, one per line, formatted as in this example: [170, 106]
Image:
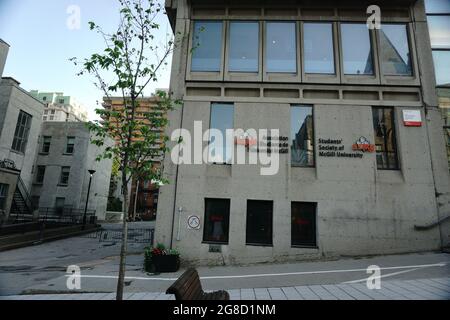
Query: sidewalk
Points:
[419, 289]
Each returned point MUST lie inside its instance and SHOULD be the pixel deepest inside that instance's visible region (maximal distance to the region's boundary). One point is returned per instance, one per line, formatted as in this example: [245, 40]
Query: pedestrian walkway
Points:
[418, 289]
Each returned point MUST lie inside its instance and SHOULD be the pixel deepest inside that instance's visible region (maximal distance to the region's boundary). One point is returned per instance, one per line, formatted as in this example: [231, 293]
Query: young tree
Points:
[132, 59]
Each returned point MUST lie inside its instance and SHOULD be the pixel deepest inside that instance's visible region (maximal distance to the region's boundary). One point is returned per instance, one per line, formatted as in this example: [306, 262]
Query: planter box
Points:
[169, 263]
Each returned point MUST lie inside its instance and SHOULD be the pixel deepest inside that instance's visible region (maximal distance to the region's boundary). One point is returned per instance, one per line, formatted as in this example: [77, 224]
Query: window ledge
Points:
[67, 154]
[259, 245]
[216, 243]
[304, 247]
[44, 153]
[63, 185]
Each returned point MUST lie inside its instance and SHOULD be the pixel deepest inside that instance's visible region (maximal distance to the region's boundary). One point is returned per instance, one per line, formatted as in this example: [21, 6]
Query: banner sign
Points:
[412, 118]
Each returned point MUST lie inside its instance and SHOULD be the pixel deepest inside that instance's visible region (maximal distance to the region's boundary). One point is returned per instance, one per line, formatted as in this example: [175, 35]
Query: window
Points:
[437, 6]
[259, 223]
[318, 48]
[385, 140]
[395, 54]
[303, 224]
[40, 174]
[44, 118]
[439, 31]
[244, 47]
[70, 148]
[3, 195]
[52, 118]
[302, 136]
[221, 148]
[281, 47]
[64, 179]
[217, 220]
[22, 131]
[61, 101]
[207, 46]
[46, 144]
[59, 205]
[356, 49]
[441, 60]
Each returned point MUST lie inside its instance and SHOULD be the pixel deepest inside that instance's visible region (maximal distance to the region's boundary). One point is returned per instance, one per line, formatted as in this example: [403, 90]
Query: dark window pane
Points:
[281, 47]
[46, 144]
[222, 118]
[244, 47]
[437, 6]
[217, 220]
[357, 49]
[439, 27]
[3, 195]
[259, 222]
[70, 145]
[395, 54]
[303, 224]
[442, 67]
[318, 48]
[22, 131]
[40, 174]
[385, 140]
[302, 136]
[65, 172]
[207, 46]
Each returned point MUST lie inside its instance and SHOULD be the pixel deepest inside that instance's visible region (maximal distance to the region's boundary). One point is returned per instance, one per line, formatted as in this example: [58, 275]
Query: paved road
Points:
[421, 289]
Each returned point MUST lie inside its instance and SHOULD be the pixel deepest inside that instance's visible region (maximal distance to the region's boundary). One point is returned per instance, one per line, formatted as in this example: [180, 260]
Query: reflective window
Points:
[357, 49]
[217, 220]
[22, 131]
[207, 46]
[303, 224]
[259, 223]
[439, 31]
[243, 53]
[385, 140]
[395, 54]
[437, 6]
[442, 67]
[221, 148]
[302, 136]
[281, 47]
[318, 48]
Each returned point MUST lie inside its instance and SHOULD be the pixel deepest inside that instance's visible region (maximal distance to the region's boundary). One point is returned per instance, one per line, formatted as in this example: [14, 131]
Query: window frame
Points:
[227, 241]
[37, 179]
[43, 151]
[395, 137]
[66, 152]
[316, 226]
[249, 243]
[210, 127]
[205, 75]
[283, 76]
[314, 136]
[23, 138]
[61, 183]
[3, 198]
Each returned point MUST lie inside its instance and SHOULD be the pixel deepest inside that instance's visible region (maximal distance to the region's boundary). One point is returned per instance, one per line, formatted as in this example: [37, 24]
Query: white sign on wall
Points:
[412, 118]
[194, 222]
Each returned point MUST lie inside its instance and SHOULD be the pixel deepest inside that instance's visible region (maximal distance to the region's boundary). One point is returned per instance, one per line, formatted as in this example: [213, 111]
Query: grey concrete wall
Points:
[8, 177]
[80, 162]
[12, 100]
[4, 48]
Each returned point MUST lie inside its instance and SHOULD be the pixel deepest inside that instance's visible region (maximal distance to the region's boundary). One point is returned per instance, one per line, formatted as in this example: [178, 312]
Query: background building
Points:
[275, 65]
[59, 107]
[61, 177]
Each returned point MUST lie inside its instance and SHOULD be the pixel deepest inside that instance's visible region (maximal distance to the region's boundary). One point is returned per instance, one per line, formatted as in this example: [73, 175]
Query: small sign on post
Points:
[412, 118]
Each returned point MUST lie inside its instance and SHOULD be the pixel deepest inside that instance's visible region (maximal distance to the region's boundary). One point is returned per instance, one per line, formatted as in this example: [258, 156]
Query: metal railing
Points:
[63, 216]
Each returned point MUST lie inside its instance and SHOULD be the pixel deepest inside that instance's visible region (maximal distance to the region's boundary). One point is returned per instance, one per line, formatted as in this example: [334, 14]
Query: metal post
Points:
[87, 198]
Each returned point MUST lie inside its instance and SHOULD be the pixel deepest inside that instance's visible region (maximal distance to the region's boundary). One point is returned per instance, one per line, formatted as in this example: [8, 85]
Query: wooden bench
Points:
[189, 287]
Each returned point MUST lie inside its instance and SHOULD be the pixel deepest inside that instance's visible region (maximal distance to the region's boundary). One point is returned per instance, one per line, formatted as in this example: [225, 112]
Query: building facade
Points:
[20, 122]
[362, 161]
[60, 108]
[61, 173]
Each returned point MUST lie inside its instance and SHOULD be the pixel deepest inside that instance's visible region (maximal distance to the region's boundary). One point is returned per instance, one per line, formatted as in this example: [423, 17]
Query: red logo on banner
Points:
[363, 145]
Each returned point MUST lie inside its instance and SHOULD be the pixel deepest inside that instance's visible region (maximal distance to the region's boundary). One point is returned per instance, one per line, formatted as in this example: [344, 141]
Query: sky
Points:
[42, 42]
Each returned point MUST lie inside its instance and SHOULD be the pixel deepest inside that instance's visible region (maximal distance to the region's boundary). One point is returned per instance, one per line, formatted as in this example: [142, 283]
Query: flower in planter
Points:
[159, 259]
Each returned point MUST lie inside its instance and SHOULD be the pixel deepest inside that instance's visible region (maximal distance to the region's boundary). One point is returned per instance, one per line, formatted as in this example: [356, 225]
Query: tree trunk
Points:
[123, 249]
[136, 193]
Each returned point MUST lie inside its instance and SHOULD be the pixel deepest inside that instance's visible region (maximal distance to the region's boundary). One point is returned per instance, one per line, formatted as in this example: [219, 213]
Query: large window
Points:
[303, 224]
[40, 174]
[217, 220]
[207, 46]
[281, 47]
[22, 131]
[259, 223]
[302, 136]
[395, 53]
[46, 144]
[441, 60]
[318, 48]
[222, 119]
[243, 54]
[356, 49]
[65, 173]
[385, 138]
[439, 27]
[3, 195]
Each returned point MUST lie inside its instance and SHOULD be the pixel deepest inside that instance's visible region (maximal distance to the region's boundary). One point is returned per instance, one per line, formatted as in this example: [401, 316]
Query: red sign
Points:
[363, 145]
[412, 118]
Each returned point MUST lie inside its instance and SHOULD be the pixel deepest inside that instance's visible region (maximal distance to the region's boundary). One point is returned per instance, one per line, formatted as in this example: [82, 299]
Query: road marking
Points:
[266, 274]
[382, 276]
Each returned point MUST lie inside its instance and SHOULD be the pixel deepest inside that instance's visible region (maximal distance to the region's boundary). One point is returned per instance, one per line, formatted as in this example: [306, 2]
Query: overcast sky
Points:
[41, 44]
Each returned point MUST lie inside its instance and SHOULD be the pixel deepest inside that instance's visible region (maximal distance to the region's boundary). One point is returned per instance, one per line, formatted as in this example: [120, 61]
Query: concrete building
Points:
[60, 108]
[374, 179]
[61, 176]
[20, 122]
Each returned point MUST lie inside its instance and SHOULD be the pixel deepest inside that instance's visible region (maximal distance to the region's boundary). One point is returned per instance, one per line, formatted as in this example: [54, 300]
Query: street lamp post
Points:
[91, 172]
